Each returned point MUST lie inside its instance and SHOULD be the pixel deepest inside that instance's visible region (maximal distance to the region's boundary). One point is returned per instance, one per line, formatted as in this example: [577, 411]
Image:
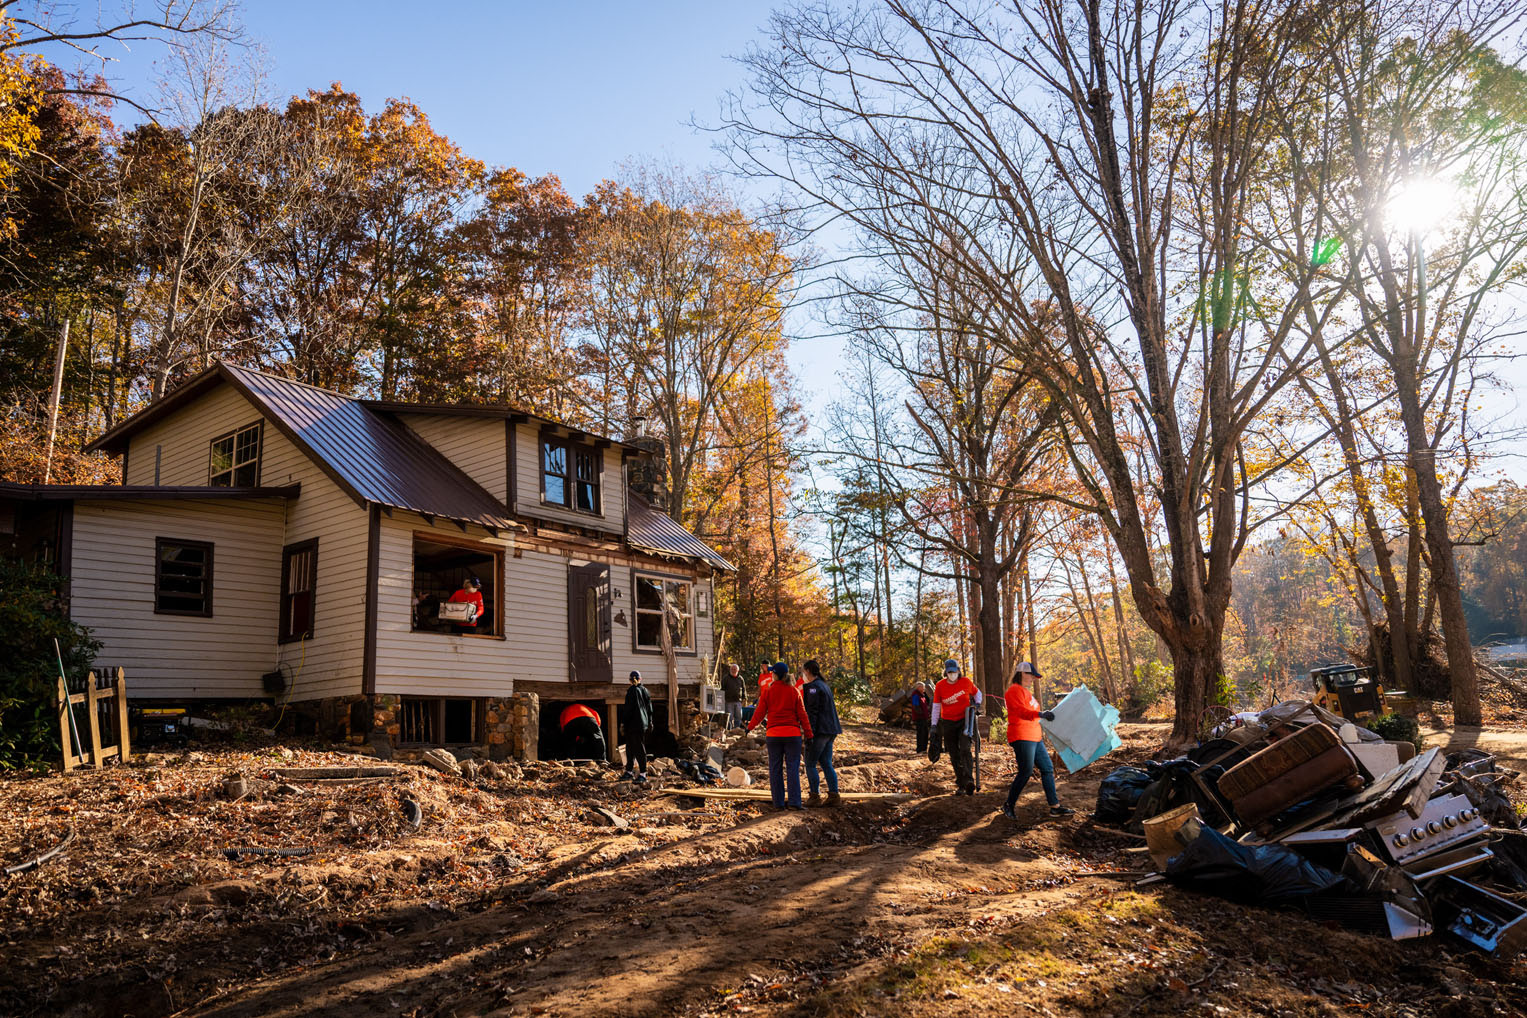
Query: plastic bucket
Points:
[738, 778]
[1161, 831]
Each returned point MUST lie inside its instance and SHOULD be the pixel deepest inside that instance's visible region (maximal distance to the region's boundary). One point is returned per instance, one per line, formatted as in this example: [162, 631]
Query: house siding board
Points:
[612, 486]
[537, 618]
[475, 444]
[330, 663]
[432, 664]
[172, 656]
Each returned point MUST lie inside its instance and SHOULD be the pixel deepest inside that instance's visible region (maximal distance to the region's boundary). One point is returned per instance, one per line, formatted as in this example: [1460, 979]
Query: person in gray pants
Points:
[733, 692]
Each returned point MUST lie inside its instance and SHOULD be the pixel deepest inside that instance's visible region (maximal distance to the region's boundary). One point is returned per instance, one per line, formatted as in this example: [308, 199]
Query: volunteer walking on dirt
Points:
[922, 714]
[783, 714]
[953, 696]
[638, 722]
[1027, 740]
[822, 713]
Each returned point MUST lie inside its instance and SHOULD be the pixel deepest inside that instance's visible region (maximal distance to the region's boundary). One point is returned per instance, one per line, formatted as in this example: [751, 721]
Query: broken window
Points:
[236, 458]
[652, 592]
[443, 601]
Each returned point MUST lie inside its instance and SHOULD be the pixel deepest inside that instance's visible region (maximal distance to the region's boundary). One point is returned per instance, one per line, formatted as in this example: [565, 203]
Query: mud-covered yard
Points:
[515, 897]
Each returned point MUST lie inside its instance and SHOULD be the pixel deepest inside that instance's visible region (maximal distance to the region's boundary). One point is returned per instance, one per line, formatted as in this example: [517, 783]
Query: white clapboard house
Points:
[273, 540]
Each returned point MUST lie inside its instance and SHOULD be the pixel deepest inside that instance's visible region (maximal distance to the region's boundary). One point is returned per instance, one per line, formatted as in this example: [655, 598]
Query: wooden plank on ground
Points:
[328, 773]
[762, 794]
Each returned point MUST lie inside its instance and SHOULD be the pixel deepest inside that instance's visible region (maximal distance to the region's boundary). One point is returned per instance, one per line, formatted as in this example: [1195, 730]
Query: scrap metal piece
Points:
[1488, 922]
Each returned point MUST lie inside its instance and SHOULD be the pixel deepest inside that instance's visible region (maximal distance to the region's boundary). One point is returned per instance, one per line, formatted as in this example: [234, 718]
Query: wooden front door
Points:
[588, 622]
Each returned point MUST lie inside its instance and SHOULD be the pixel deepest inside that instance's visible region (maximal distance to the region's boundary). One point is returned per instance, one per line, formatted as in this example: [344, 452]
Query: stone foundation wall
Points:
[510, 725]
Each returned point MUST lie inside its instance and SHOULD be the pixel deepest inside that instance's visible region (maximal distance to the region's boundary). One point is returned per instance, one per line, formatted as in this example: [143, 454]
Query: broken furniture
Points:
[1399, 834]
[1289, 771]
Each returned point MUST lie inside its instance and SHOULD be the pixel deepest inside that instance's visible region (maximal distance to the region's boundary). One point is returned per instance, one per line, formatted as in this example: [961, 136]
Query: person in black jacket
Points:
[822, 712]
[733, 692]
[638, 721]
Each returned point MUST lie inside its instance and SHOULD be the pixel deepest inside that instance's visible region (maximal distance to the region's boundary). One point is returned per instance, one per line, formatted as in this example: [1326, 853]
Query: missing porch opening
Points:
[440, 721]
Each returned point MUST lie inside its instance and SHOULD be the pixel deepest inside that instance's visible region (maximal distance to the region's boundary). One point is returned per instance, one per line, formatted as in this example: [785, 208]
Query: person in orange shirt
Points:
[953, 695]
[582, 733]
[783, 714]
[1027, 740]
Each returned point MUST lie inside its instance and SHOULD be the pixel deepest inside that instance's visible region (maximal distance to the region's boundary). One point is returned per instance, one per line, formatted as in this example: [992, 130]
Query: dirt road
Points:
[936, 905]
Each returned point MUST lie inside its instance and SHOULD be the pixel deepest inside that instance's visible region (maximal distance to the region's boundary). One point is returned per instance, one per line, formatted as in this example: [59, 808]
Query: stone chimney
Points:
[647, 472]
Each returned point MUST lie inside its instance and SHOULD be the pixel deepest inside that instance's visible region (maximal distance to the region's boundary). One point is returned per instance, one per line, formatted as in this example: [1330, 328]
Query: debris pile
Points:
[1297, 807]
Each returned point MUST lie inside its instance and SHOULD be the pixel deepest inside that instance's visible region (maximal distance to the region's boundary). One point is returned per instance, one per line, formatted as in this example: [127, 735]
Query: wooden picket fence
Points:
[101, 734]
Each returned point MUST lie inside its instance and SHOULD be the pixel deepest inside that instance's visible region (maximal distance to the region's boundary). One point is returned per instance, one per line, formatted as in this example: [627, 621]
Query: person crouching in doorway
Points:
[783, 715]
[1027, 740]
[822, 712]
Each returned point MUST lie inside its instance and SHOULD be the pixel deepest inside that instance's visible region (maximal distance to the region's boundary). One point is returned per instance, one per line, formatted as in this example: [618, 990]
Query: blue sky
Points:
[573, 88]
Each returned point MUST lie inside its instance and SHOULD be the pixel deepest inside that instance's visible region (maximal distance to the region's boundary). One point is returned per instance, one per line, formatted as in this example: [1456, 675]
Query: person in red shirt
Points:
[582, 733]
[1027, 740]
[470, 593]
[953, 695]
[782, 712]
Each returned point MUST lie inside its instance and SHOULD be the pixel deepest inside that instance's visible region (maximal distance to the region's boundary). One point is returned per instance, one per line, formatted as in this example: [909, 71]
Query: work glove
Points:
[1048, 715]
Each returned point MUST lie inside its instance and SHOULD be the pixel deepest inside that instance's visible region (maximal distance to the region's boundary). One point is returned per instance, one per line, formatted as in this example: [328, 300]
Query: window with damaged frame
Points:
[235, 458]
[441, 572]
[571, 475]
[652, 593]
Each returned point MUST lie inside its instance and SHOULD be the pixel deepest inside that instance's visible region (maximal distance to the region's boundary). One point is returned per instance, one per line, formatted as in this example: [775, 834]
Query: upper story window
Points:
[236, 458]
[571, 475]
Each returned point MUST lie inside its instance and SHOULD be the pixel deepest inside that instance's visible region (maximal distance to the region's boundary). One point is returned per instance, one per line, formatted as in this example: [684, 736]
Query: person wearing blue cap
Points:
[783, 714]
[638, 720]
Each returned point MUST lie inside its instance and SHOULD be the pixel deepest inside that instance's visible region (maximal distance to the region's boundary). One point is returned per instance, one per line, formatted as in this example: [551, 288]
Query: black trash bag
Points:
[1120, 791]
[1492, 803]
[1250, 874]
[1508, 866]
[1173, 786]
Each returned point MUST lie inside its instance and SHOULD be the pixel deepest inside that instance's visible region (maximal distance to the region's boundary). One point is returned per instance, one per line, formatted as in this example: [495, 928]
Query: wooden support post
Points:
[124, 751]
[70, 761]
[93, 712]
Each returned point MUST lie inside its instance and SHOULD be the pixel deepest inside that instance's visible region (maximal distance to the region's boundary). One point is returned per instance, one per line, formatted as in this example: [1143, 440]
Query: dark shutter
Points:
[588, 623]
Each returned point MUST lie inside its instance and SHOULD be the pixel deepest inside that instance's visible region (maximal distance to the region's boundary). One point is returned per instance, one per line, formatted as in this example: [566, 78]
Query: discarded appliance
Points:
[1337, 822]
[1083, 729]
[1487, 921]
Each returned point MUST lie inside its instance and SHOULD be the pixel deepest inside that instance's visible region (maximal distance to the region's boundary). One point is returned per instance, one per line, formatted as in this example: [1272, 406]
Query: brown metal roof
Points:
[653, 531]
[79, 492]
[369, 454]
[502, 412]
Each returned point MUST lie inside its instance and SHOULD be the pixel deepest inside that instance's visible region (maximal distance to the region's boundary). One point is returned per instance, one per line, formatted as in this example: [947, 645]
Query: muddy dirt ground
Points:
[511, 898]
